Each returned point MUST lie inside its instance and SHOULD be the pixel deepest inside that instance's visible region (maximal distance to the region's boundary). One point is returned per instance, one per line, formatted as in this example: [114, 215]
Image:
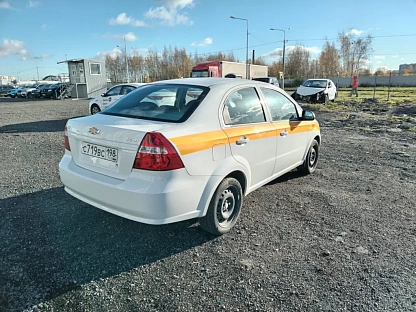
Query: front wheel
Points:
[95, 109]
[224, 208]
[311, 160]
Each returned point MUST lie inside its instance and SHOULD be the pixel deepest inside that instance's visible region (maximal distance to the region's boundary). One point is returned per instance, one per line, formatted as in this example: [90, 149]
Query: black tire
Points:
[224, 208]
[29, 95]
[333, 100]
[311, 160]
[95, 109]
[295, 96]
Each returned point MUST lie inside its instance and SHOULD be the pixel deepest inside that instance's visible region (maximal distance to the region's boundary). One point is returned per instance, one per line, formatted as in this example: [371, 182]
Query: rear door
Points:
[251, 137]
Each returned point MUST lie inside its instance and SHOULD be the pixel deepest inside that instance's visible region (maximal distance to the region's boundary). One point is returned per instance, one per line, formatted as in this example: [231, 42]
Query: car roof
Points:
[137, 84]
[210, 82]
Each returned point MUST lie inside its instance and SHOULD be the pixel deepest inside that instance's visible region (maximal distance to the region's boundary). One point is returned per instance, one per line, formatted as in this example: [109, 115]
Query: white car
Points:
[316, 91]
[219, 140]
[113, 94]
[26, 91]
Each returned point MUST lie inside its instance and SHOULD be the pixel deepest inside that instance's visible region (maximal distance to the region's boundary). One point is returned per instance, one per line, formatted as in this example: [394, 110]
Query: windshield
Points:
[161, 102]
[199, 73]
[262, 79]
[315, 83]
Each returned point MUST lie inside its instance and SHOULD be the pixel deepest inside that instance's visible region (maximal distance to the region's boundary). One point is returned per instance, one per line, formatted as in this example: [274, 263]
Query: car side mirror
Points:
[102, 94]
[308, 115]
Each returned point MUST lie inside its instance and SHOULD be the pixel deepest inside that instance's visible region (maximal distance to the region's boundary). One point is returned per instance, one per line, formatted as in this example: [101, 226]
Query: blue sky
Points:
[41, 33]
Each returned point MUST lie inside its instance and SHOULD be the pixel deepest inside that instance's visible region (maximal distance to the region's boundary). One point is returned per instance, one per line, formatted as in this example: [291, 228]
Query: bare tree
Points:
[362, 48]
[298, 63]
[328, 60]
[353, 52]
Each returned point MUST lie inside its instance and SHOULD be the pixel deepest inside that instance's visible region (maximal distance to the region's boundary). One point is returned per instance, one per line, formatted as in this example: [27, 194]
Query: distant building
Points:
[407, 68]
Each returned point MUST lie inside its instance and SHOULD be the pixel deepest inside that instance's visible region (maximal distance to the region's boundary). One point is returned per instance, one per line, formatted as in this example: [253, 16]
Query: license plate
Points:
[103, 152]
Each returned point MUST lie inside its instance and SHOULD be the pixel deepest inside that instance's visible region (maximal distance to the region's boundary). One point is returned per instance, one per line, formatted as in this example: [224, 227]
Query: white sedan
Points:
[113, 94]
[316, 91]
[196, 157]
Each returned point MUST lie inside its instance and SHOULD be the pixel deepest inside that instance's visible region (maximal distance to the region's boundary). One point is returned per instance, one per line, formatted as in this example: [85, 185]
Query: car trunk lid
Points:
[108, 144]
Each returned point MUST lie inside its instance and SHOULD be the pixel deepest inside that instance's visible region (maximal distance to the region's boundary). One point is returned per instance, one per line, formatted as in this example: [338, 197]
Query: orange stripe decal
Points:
[193, 143]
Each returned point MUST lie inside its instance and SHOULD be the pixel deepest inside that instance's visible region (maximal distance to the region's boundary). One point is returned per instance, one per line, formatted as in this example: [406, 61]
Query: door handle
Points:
[243, 141]
[109, 99]
[283, 133]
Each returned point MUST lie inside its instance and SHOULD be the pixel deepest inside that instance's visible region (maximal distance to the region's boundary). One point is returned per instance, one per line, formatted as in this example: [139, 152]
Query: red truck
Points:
[223, 68]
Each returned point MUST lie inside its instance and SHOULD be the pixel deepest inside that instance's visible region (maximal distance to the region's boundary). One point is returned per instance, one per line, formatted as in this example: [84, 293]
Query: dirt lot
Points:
[342, 239]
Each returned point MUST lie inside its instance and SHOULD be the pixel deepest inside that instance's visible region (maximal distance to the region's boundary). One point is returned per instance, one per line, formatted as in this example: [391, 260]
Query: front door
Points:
[111, 95]
[292, 134]
[251, 137]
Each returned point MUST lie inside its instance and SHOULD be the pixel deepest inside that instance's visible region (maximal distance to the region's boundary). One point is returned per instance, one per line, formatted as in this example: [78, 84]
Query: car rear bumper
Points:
[147, 197]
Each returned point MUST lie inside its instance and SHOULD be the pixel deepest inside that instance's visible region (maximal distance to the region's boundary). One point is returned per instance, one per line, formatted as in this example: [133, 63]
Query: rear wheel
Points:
[311, 160]
[224, 208]
[95, 109]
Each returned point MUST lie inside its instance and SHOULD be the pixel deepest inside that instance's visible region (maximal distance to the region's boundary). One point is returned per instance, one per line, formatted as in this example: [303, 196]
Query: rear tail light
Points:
[157, 153]
[67, 146]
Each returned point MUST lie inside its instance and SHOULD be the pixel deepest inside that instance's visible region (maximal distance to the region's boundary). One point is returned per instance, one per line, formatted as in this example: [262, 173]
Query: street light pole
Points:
[125, 59]
[36, 62]
[247, 65]
[127, 63]
[284, 50]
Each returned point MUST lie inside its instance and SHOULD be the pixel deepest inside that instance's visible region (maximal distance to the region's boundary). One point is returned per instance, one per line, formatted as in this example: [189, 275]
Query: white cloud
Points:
[44, 26]
[395, 56]
[177, 3]
[379, 62]
[12, 47]
[4, 5]
[123, 19]
[379, 57]
[129, 36]
[203, 43]
[278, 53]
[33, 3]
[169, 14]
[118, 51]
[113, 53]
[354, 32]
[37, 58]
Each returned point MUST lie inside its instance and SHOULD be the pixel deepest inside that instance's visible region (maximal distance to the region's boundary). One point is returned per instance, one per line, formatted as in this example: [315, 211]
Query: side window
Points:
[127, 89]
[243, 107]
[114, 91]
[281, 108]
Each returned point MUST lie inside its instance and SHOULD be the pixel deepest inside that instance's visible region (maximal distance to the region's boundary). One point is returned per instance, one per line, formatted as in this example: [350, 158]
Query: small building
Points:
[87, 77]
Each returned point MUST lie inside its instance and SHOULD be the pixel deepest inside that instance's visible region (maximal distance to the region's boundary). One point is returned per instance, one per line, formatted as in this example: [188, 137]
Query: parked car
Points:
[4, 89]
[113, 94]
[13, 92]
[37, 92]
[272, 80]
[196, 158]
[54, 91]
[27, 91]
[316, 91]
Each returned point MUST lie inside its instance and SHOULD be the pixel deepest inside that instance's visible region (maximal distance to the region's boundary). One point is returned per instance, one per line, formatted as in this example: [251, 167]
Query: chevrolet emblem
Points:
[94, 131]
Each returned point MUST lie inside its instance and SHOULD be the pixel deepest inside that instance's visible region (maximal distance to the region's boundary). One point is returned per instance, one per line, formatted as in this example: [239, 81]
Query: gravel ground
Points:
[342, 239]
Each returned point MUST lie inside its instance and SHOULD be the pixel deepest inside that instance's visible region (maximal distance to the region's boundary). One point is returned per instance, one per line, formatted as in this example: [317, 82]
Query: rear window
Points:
[161, 102]
[262, 79]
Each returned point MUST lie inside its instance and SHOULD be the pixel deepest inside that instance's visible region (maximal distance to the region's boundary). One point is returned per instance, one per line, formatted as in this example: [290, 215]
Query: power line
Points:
[313, 39]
